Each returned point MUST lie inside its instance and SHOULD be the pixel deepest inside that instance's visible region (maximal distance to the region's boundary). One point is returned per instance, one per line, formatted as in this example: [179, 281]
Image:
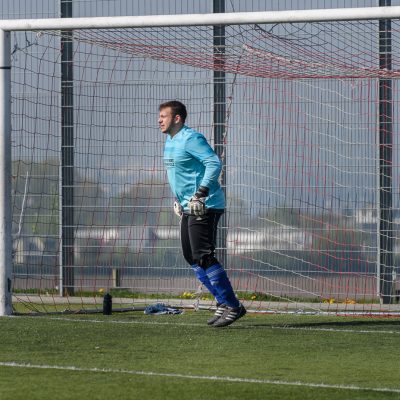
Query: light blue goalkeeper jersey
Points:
[190, 163]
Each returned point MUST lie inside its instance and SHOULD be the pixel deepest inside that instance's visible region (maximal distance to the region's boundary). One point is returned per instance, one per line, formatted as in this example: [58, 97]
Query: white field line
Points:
[199, 377]
[300, 328]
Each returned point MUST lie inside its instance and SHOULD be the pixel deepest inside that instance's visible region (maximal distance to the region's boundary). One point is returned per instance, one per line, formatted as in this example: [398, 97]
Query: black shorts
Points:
[198, 238]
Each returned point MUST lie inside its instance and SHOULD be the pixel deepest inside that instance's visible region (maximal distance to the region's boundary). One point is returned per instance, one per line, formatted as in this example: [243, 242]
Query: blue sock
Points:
[203, 278]
[220, 281]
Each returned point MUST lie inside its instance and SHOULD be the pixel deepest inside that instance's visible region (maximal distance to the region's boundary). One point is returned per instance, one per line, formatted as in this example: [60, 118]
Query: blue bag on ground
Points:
[159, 309]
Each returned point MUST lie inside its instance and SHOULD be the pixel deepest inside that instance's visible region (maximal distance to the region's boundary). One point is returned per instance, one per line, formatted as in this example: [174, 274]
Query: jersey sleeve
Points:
[199, 148]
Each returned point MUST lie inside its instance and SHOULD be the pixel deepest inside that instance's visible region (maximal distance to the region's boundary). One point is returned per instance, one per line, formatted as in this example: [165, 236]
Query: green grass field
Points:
[135, 356]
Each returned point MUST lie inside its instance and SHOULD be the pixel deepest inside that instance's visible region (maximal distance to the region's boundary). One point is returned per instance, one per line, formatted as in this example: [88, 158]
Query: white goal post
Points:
[263, 17]
[9, 26]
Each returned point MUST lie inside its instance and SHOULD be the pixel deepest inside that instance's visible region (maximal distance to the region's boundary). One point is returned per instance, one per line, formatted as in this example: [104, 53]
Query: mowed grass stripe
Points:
[199, 377]
[243, 325]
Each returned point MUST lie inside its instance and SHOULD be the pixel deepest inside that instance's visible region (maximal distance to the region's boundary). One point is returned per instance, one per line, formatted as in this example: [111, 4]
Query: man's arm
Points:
[199, 148]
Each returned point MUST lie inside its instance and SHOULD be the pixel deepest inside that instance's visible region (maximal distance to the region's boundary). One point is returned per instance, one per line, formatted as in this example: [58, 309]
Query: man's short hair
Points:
[177, 108]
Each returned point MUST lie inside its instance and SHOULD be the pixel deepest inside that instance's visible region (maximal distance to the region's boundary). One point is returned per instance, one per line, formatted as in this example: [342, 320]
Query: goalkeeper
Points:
[193, 169]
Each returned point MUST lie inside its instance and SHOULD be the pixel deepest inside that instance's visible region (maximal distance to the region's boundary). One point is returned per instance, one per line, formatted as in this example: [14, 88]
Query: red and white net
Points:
[301, 163]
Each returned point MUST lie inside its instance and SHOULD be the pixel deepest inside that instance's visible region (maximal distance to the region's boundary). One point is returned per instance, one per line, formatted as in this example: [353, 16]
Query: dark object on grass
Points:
[107, 304]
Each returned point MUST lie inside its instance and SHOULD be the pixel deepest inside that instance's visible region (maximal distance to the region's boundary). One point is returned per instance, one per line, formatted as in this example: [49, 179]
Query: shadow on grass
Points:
[365, 323]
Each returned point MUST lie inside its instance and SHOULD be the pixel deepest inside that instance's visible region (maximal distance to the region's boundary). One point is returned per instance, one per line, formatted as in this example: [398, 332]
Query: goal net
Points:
[304, 145]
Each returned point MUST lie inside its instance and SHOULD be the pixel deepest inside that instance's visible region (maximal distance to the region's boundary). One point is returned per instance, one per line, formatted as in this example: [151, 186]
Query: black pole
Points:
[220, 116]
[386, 260]
[67, 154]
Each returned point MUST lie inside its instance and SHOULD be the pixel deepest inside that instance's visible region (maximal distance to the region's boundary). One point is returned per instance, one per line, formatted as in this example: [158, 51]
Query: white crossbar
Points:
[292, 16]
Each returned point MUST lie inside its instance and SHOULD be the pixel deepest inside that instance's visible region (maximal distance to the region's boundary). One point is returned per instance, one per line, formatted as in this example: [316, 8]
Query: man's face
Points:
[166, 120]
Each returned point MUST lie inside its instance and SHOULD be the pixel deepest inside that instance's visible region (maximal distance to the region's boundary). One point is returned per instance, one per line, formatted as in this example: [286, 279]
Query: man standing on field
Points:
[193, 169]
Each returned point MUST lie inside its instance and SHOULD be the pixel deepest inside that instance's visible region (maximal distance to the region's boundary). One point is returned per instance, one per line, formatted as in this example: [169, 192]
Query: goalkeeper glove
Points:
[197, 203]
[178, 210]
